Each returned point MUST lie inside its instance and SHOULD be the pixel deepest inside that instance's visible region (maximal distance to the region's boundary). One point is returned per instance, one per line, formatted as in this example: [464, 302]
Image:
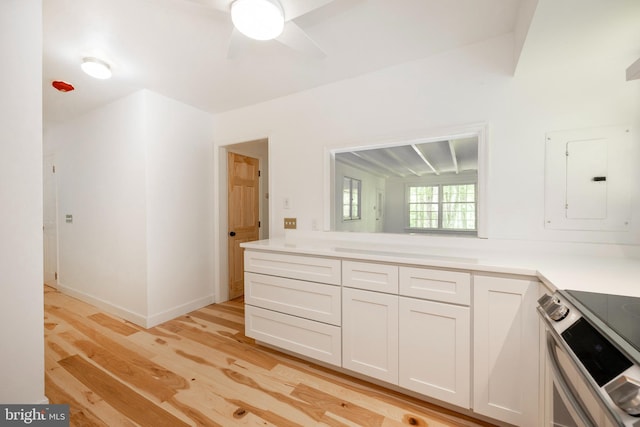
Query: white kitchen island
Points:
[449, 320]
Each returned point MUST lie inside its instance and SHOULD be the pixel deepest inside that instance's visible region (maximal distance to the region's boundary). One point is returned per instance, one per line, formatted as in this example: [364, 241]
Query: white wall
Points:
[136, 176]
[179, 208]
[577, 88]
[101, 181]
[371, 184]
[21, 305]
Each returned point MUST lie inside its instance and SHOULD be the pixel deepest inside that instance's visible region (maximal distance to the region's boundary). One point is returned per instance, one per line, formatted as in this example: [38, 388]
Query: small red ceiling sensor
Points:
[62, 86]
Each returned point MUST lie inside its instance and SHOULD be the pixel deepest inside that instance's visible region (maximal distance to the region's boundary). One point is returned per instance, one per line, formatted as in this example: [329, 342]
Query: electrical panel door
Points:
[588, 179]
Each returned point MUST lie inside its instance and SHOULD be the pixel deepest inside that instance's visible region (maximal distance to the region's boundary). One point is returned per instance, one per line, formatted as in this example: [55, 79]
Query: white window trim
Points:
[359, 217]
[481, 130]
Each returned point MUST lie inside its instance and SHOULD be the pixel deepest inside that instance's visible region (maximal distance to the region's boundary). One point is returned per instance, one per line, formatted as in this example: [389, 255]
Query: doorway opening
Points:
[49, 218]
[243, 213]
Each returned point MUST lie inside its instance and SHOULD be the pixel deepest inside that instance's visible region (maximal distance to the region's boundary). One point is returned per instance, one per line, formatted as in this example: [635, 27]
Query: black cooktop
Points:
[620, 313]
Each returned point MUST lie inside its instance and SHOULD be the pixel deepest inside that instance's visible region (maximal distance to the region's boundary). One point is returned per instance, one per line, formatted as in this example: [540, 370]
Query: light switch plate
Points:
[290, 223]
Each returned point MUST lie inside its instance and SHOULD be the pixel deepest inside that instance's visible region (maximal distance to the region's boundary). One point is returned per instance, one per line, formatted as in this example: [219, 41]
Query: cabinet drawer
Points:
[322, 270]
[310, 300]
[437, 285]
[370, 276]
[306, 337]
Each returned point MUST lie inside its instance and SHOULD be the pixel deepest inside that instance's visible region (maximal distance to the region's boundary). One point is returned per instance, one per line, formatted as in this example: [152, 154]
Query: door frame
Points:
[50, 230]
[260, 149]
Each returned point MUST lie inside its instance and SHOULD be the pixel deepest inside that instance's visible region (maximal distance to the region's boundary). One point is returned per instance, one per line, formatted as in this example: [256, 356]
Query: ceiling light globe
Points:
[258, 19]
[96, 68]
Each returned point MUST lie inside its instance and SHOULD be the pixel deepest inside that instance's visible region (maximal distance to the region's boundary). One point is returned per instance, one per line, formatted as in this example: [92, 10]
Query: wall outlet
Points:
[290, 223]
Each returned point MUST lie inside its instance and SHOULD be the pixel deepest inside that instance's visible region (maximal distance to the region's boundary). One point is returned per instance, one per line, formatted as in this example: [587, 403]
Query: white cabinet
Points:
[435, 335]
[312, 269]
[505, 343]
[306, 337]
[370, 276]
[437, 285]
[435, 346]
[314, 301]
[370, 333]
[468, 339]
[421, 345]
[294, 302]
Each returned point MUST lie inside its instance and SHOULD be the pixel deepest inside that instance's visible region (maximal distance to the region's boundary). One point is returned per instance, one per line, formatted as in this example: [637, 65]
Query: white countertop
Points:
[592, 268]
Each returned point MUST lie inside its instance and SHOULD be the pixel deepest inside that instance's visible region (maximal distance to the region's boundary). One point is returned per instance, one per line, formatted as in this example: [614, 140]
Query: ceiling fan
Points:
[267, 20]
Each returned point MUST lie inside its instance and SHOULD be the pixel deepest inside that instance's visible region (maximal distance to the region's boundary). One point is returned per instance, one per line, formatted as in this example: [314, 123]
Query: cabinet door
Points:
[506, 348]
[370, 334]
[435, 344]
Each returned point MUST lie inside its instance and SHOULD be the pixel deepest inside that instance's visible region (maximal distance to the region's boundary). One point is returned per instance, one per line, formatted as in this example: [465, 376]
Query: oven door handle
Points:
[577, 408]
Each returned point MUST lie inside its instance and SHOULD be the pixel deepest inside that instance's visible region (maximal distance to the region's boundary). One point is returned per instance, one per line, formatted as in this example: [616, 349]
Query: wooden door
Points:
[243, 215]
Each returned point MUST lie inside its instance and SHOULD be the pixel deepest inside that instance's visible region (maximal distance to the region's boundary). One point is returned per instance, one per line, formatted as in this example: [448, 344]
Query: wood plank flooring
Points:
[201, 370]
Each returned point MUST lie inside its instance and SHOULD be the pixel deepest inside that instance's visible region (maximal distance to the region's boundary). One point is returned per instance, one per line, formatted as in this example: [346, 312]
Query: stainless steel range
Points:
[593, 346]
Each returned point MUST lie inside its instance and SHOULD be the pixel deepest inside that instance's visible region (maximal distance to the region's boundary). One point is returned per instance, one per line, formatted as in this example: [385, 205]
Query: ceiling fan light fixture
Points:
[258, 19]
[96, 68]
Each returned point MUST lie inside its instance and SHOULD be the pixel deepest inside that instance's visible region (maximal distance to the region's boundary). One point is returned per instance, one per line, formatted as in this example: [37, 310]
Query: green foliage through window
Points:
[443, 207]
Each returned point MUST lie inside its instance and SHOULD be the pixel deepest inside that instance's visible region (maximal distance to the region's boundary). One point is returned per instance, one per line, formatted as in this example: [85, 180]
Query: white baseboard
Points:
[179, 310]
[138, 319]
[107, 306]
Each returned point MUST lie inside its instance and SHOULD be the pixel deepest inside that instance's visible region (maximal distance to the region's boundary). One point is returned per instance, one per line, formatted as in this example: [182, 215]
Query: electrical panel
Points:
[588, 179]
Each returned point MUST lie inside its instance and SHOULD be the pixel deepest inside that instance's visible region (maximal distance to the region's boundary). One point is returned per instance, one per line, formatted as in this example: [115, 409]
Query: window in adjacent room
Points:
[446, 170]
[351, 198]
[442, 207]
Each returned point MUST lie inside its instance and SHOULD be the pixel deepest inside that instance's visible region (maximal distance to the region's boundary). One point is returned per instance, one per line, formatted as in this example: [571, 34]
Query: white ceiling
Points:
[178, 48]
[416, 159]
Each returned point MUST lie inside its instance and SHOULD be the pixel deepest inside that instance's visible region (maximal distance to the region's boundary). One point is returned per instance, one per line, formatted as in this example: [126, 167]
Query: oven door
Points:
[570, 400]
[565, 406]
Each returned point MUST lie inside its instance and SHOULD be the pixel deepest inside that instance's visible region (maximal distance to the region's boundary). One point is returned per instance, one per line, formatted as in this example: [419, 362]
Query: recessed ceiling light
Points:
[258, 19]
[96, 68]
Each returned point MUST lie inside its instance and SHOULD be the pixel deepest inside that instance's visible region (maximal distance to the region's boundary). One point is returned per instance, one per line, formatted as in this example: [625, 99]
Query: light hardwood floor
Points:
[201, 370]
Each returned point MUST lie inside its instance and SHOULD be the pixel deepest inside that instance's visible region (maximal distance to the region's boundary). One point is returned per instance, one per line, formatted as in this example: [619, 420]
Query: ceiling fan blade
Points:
[295, 38]
[237, 44]
[296, 8]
